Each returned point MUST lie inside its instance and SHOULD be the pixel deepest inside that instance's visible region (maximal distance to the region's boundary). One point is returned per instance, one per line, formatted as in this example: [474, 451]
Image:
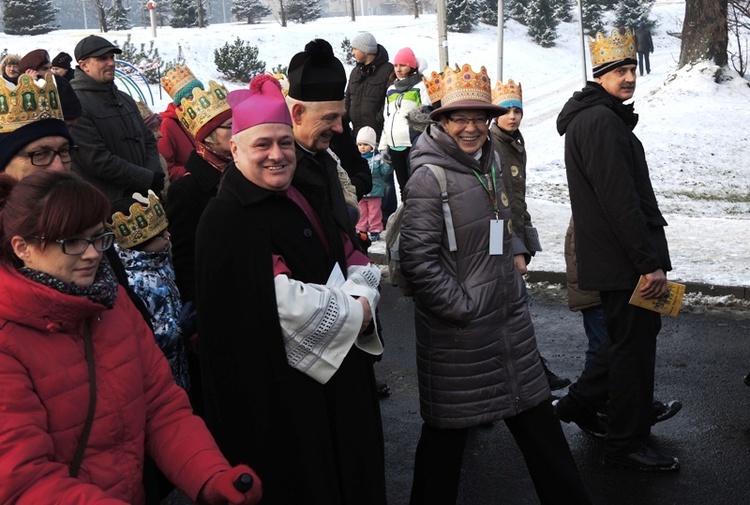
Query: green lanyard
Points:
[489, 187]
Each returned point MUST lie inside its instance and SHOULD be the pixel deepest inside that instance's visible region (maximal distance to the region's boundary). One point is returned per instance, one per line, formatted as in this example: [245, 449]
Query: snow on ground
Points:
[694, 130]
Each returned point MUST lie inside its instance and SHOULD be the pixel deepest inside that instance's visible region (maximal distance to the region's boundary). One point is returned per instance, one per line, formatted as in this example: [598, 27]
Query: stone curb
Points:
[740, 292]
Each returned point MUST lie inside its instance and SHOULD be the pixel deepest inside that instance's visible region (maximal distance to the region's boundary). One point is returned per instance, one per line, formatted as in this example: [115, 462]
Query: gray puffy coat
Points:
[477, 357]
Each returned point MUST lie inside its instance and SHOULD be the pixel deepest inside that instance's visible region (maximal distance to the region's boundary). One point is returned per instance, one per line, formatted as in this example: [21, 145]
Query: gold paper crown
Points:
[507, 94]
[433, 87]
[144, 110]
[205, 105]
[177, 78]
[465, 84]
[27, 102]
[616, 47]
[147, 219]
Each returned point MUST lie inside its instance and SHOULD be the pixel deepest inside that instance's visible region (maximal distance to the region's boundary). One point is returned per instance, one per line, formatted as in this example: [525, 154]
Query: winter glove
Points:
[157, 184]
[385, 155]
[221, 488]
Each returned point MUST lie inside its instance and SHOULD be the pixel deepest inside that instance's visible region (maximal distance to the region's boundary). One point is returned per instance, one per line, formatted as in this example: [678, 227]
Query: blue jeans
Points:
[596, 330]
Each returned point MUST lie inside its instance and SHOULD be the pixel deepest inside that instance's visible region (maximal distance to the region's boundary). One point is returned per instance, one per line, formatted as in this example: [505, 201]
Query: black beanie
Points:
[11, 143]
[62, 60]
[316, 75]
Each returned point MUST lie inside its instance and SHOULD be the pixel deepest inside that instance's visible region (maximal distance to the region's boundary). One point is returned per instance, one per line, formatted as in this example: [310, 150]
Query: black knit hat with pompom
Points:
[316, 75]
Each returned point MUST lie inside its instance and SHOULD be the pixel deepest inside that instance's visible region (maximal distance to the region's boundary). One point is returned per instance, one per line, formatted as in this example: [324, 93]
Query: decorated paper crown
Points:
[465, 84]
[203, 106]
[507, 94]
[178, 78]
[146, 220]
[433, 87]
[28, 102]
[143, 109]
[463, 88]
[608, 53]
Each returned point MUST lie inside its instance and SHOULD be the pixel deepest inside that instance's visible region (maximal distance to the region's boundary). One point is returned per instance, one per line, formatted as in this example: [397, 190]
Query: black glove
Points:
[158, 183]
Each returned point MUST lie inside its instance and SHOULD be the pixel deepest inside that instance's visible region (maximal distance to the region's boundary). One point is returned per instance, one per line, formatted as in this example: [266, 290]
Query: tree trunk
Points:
[704, 32]
[282, 13]
[416, 9]
[200, 13]
[102, 15]
[351, 5]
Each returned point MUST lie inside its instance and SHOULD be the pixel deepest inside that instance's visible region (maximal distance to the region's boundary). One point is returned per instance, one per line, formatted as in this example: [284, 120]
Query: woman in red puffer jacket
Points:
[62, 317]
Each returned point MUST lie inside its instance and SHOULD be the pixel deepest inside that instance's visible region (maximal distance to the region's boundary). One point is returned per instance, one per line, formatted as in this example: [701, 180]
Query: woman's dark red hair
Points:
[53, 205]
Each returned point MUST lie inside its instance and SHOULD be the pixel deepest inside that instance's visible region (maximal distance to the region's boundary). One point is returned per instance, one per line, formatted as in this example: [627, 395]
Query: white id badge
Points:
[496, 237]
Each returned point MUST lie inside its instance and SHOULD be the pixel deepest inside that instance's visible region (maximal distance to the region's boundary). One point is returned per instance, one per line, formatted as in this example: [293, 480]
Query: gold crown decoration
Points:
[465, 84]
[434, 90]
[146, 220]
[616, 47]
[205, 105]
[507, 94]
[433, 87]
[144, 109]
[177, 78]
[28, 102]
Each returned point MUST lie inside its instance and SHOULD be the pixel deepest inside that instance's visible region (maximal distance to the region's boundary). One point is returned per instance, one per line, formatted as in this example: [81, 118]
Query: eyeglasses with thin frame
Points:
[75, 246]
[225, 127]
[45, 157]
[464, 121]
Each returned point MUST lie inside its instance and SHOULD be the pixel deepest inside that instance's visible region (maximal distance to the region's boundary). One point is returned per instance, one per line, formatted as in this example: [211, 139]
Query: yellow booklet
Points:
[669, 303]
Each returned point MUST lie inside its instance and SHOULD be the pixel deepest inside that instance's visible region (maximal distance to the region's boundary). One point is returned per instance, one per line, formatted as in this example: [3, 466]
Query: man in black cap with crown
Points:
[619, 239]
[118, 153]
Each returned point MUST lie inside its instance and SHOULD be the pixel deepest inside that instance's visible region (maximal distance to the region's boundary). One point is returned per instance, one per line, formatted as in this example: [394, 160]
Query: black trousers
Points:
[641, 56]
[621, 374]
[400, 160]
[437, 466]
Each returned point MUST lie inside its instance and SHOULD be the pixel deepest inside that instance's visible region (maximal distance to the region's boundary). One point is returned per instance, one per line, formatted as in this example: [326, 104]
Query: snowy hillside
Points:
[694, 130]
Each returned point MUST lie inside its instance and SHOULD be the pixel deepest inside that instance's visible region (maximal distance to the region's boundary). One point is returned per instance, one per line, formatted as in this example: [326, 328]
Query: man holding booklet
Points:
[619, 237]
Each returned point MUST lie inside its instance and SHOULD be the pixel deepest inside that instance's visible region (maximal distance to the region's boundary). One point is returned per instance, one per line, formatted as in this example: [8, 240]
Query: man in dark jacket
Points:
[368, 82]
[619, 237]
[118, 153]
[644, 45]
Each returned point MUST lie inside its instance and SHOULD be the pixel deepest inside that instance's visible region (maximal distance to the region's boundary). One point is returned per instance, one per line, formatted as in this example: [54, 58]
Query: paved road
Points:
[701, 360]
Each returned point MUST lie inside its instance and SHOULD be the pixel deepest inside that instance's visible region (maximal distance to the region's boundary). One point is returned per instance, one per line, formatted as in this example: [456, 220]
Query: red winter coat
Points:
[176, 143]
[44, 397]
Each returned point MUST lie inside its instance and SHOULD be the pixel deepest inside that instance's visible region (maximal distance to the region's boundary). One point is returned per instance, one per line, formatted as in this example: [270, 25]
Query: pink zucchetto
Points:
[262, 103]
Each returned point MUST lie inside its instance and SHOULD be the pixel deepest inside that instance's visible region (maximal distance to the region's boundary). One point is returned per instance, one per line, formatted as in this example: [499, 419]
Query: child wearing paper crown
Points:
[142, 243]
[371, 215]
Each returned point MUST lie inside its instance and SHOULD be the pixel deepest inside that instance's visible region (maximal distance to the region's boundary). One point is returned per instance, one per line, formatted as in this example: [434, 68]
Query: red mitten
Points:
[220, 488]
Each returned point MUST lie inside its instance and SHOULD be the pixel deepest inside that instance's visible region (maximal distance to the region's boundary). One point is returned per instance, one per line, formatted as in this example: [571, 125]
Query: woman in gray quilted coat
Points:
[477, 357]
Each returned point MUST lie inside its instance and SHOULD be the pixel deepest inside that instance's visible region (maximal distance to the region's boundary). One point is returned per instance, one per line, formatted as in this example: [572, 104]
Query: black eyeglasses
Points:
[45, 157]
[225, 127]
[76, 246]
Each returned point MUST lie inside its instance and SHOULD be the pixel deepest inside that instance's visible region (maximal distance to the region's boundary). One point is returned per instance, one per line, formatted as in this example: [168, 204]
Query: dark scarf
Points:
[407, 82]
[216, 160]
[103, 291]
[14, 80]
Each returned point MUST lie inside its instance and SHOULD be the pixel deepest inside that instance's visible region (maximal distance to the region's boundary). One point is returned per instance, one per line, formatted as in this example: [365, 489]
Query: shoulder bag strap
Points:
[440, 175]
[75, 465]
